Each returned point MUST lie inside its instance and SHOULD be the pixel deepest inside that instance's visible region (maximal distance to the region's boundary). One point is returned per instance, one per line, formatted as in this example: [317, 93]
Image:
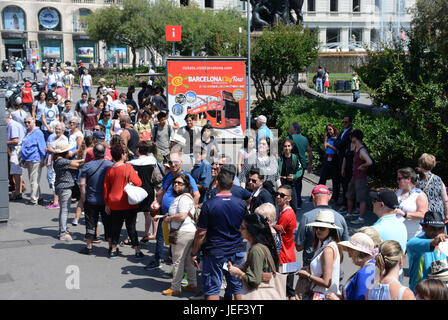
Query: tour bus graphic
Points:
[220, 108]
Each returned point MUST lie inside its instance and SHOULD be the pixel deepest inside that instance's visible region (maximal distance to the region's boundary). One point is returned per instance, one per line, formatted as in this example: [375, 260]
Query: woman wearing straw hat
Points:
[360, 248]
[325, 266]
[64, 183]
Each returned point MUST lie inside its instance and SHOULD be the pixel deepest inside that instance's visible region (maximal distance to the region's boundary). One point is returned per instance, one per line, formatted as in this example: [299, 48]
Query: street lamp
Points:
[240, 30]
[248, 62]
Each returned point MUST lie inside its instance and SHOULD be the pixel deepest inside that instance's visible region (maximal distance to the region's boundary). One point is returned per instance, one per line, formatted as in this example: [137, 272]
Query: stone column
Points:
[344, 38]
[366, 36]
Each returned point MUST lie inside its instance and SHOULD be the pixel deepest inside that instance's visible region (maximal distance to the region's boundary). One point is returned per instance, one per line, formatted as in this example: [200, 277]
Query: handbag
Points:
[272, 288]
[172, 237]
[135, 194]
[303, 289]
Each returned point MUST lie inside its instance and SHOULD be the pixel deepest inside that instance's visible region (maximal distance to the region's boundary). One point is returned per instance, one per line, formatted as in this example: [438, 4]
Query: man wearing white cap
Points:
[263, 130]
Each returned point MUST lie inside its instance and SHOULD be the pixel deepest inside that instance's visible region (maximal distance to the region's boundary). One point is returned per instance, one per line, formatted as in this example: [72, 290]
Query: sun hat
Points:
[178, 139]
[325, 219]
[433, 219]
[359, 242]
[388, 197]
[261, 118]
[27, 84]
[102, 80]
[320, 189]
[62, 146]
[439, 270]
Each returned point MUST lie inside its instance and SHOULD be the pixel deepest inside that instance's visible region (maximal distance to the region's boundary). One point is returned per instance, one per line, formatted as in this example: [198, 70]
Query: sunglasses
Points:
[253, 180]
[282, 195]
[179, 183]
[173, 163]
[320, 228]
[27, 121]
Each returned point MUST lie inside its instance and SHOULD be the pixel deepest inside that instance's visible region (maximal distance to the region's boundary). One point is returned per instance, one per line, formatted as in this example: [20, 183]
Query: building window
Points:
[184, 2]
[208, 4]
[356, 5]
[242, 5]
[356, 35]
[333, 5]
[377, 5]
[374, 35]
[79, 21]
[311, 4]
[13, 18]
[333, 36]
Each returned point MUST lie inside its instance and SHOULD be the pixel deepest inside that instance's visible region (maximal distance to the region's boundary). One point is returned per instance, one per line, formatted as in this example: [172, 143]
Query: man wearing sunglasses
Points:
[165, 196]
[260, 195]
[287, 224]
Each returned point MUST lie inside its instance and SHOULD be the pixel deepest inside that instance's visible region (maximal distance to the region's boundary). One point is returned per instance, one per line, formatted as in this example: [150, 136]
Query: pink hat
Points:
[320, 188]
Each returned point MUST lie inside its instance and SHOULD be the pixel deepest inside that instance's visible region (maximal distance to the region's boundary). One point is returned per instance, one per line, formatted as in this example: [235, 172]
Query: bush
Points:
[390, 146]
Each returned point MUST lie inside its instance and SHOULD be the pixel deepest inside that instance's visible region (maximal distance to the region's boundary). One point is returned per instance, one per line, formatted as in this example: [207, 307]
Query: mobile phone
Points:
[196, 264]
[226, 266]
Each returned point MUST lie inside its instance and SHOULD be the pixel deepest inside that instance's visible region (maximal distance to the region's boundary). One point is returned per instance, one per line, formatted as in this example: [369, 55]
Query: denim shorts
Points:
[87, 89]
[213, 273]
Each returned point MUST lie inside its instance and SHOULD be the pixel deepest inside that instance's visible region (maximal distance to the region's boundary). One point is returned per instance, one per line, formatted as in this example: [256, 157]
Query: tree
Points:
[279, 53]
[127, 25]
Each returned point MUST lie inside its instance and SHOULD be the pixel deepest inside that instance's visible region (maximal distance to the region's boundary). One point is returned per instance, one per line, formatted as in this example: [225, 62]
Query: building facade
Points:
[54, 30]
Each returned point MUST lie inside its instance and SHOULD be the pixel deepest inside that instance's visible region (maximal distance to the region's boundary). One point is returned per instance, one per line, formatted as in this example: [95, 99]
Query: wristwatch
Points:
[405, 214]
[193, 254]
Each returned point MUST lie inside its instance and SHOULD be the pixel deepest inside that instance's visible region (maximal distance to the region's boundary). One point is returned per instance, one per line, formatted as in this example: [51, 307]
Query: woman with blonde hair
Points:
[268, 211]
[373, 234]
[388, 263]
[431, 184]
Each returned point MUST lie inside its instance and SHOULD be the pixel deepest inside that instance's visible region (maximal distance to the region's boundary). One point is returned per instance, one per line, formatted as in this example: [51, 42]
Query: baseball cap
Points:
[433, 219]
[99, 135]
[320, 188]
[262, 119]
[388, 197]
[18, 100]
[27, 84]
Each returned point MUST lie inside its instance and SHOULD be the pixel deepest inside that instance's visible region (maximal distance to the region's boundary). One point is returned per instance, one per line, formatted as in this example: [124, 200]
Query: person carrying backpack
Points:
[161, 136]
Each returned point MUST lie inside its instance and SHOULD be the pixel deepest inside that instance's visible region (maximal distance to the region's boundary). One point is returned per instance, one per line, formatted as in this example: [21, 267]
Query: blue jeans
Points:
[51, 176]
[65, 199]
[19, 75]
[319, 84]
[159, 242]
[298, 188]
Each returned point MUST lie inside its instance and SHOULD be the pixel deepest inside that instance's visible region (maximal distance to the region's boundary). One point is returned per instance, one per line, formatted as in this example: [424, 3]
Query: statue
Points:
[265, 13]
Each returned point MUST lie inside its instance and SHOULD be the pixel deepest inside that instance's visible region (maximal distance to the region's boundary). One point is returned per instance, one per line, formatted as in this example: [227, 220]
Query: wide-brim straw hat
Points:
[439, 270]
[359, 242]
[324, 219]
[62, 146]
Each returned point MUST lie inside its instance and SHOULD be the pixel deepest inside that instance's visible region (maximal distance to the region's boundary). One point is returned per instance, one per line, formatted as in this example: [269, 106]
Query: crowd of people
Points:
[228, 223]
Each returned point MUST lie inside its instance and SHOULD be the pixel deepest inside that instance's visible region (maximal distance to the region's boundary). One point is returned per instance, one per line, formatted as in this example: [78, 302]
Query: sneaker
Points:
[190, 289]
[40, 201]
[97, 240]
[86, 251]
[350, 215]
[184, 282]
[52, 206]
[155, 264]
[113, 254]
[82, 213]
[31, 203]
[359, 221]
[139, 255]
[198, 296]
[169, 292]
[74, 222]
[65, 237]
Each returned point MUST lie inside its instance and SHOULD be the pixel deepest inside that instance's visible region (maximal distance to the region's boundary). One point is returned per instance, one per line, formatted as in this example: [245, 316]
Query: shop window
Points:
[332, 35]
[49, 19]
[13, 18]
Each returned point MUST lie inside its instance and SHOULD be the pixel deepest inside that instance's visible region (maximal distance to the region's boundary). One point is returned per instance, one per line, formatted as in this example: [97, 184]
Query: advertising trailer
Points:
[210, 88]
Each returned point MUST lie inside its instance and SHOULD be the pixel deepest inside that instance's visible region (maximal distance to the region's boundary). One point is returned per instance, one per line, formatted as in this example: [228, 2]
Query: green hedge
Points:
[390, 146]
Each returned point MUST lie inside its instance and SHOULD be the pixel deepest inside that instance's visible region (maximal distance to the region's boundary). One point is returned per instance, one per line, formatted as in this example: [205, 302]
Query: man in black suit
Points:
[342, 144]
[260, 194]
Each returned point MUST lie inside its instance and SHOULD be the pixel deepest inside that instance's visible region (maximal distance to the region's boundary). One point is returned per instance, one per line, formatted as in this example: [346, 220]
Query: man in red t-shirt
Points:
[27, 97]
[98, 137]
[89, 117]
[287, 223]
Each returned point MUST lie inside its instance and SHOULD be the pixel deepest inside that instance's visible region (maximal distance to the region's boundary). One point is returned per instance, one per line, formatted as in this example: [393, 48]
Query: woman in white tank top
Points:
[325, 266]
[413, 202]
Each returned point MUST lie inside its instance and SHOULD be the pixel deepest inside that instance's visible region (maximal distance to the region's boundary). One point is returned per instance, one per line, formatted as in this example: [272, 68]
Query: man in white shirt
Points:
[86, 82]
[60, 74]
[51, 78]
[120, 104]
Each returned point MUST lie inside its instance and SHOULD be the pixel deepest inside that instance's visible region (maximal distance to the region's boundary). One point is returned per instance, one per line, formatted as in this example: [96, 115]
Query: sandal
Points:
[145, 239]
[126, 242]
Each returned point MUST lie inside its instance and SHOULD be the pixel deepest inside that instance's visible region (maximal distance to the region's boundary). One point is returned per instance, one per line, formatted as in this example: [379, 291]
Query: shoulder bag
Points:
[135, 194]
[273, 288]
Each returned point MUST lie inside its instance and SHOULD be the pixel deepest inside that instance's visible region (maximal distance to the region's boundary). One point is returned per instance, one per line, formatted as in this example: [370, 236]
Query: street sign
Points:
[173, 33]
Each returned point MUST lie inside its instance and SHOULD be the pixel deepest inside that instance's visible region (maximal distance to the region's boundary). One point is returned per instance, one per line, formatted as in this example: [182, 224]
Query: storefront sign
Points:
[212, 90]
[13, 35]
[49, 18]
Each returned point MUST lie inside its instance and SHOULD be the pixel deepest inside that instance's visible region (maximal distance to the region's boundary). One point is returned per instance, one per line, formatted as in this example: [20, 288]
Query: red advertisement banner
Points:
[212, 90]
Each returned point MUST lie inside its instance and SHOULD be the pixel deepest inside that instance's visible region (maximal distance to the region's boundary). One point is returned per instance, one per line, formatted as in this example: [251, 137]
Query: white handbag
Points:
[135, 194]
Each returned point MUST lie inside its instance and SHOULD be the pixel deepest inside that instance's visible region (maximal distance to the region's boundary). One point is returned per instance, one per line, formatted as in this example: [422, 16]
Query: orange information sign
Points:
[213, 90]
[173, 33]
